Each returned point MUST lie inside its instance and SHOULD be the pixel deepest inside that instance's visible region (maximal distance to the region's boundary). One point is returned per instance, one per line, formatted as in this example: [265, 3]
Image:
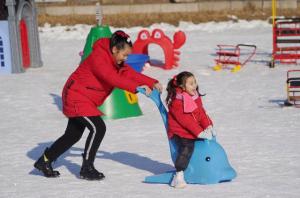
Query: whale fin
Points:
[164, 178]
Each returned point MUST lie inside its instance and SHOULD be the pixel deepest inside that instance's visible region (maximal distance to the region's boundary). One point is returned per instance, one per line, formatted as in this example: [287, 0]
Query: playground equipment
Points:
[5, 53]
[171, 49]
[19, 40]
[293, 88]
[96, 32]
[230, 55]
[120, 103]
[137, 61]
[286, 41]
[208, 164]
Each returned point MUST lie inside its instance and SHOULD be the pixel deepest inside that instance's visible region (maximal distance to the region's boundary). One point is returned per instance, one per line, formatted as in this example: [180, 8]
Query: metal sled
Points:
[230, 55]
[293, 88]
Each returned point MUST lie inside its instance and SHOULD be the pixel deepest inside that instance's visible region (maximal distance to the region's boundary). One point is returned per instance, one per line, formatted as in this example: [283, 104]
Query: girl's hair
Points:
[119, 39]
[177, 81]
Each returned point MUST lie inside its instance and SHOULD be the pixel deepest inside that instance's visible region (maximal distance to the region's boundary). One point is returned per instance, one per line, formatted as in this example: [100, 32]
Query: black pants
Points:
[185, 151]
[73, 134]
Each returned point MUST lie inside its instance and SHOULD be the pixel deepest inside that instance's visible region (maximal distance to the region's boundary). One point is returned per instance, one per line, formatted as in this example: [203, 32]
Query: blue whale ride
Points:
[209, 163]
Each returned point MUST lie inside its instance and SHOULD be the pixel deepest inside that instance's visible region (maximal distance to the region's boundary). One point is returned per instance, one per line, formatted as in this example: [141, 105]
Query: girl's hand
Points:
[212, 130]
[158, 86]
[147, 89]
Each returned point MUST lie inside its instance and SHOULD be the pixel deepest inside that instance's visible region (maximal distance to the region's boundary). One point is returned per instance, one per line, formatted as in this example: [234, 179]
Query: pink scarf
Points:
[189, 104]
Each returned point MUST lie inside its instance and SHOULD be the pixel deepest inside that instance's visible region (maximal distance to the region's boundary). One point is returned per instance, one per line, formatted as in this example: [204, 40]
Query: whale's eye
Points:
[207, 159]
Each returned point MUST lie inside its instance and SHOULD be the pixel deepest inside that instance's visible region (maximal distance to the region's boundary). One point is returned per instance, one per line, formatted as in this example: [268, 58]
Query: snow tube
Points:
[208, 165]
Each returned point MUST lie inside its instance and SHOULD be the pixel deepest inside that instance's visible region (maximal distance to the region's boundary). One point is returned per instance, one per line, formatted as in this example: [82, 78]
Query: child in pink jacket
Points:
[187, 121]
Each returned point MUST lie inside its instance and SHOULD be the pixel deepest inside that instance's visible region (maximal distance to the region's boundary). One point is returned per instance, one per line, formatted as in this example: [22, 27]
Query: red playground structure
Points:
[293, 88]
[170, 48]
[231, 55]
[286, 41]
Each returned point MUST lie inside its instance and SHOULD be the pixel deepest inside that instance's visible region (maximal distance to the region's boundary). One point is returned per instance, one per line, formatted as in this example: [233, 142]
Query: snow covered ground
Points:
[260, 138]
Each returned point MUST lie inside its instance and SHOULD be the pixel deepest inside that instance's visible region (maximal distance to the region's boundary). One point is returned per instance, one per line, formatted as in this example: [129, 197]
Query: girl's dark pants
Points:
[185, 151]
[73, 133]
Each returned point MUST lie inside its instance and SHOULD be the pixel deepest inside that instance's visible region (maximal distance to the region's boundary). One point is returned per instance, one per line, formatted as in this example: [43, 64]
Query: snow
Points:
[260, 137]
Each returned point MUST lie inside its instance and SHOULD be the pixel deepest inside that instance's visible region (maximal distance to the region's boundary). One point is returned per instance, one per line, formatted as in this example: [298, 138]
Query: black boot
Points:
[44, 165]
[89, 172]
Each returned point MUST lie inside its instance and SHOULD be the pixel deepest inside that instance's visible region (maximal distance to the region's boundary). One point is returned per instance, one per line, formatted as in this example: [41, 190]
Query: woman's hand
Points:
[158, 86]
[147, 89]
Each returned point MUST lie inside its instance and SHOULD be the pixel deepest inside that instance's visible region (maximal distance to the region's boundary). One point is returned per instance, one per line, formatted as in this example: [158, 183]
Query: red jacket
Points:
[187, 125]
[94, 80]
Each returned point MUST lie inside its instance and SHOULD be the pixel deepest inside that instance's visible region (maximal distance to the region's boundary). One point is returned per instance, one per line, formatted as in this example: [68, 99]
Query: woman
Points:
[85, 90]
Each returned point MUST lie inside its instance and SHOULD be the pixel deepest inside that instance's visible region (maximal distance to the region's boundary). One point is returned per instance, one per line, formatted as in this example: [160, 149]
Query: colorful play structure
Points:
[208, 165]
[158, 37]
[286, 42]
[121, 103]
[19, 39]
[293, 88]
[229, 56]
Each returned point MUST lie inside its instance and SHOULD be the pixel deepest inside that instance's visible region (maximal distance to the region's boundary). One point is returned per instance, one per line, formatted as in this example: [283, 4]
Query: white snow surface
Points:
[260, 137]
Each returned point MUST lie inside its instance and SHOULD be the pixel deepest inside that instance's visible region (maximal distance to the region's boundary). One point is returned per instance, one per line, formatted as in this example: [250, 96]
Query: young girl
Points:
[187, 121]
[84, 91]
